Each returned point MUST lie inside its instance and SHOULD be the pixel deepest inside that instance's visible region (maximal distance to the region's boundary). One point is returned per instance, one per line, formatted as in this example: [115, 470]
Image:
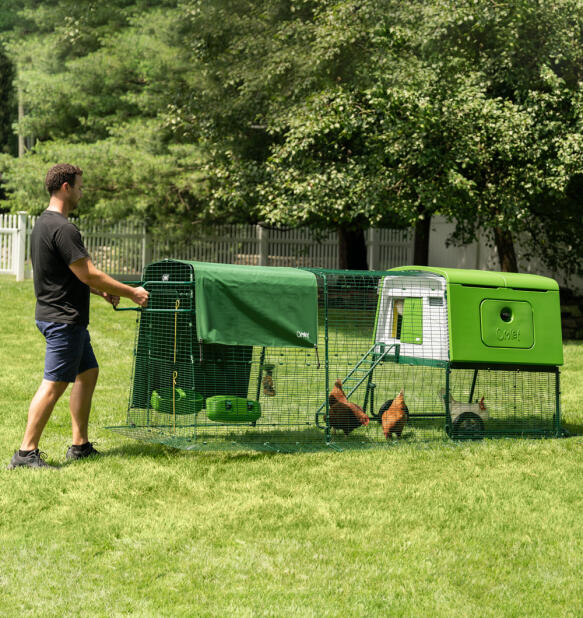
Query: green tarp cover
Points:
[255, 305]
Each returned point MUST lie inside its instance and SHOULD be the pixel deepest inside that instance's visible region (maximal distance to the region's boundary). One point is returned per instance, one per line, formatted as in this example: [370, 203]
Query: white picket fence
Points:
[123, 249]
[13, 237]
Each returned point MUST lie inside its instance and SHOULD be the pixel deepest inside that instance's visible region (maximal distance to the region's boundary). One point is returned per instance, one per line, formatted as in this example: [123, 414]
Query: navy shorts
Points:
[69, 351]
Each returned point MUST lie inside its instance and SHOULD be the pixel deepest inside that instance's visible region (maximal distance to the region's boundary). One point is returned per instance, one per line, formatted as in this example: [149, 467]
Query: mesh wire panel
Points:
[208, 396]
[516, 402]
[386, 337]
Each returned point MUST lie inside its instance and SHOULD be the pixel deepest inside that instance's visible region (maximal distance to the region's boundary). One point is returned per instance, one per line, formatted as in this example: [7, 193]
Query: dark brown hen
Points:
[342, 413]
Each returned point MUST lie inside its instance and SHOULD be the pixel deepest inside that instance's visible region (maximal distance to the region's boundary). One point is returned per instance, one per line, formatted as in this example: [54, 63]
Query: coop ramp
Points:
[359, 373]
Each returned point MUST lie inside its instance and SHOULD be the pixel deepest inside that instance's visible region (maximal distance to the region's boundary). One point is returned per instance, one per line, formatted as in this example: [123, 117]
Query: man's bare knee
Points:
[53, 390]
[88, 376]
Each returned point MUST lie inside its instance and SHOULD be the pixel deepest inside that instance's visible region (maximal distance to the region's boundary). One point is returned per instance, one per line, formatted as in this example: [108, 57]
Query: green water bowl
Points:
[185, 401]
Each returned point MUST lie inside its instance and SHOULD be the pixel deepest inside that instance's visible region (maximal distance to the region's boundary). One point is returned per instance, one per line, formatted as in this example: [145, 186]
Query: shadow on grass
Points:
[249, 442]
[161, 451]
[157, 443]
[573, 429]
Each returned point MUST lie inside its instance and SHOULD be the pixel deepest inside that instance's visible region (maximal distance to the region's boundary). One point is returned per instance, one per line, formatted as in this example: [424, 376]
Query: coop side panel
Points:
[161, 333]
[480, 334]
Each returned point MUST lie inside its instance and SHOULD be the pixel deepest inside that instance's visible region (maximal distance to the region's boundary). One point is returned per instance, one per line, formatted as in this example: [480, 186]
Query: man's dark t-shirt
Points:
[60, 296]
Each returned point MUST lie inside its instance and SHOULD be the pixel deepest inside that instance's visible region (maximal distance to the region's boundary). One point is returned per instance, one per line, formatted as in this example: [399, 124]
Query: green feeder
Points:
[182, 401]
[232, 409]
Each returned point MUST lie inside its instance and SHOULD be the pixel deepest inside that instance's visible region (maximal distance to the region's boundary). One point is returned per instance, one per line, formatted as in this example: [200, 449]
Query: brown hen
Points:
[394, 417]
[342, 413]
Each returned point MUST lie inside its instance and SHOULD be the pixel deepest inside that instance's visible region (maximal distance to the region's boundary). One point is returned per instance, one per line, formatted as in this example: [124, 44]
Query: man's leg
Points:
[80, 404]
[39, 412]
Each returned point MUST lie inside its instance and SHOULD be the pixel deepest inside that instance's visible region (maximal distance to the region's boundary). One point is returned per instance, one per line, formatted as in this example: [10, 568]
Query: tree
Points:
[482, 124]
[7, 105]
[97, 81]
[286, 113]
[513, 121]
[334, 115]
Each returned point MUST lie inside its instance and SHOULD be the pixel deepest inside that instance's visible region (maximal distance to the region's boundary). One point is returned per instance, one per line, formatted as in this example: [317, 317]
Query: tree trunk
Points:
[506, 253]
[421, 242]
[352, 249]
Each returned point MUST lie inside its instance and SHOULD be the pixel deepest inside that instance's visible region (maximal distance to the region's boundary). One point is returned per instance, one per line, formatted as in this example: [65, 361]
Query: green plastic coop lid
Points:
[255, 305]
[484, 278]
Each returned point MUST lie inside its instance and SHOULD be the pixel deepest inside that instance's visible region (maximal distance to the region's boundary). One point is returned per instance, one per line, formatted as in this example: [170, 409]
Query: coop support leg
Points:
[326, 361]
[557, 402]
[473, 388]
[448, 425]
[260, 376]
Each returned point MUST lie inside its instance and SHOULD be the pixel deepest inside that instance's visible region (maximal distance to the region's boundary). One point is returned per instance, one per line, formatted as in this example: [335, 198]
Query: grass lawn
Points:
[475, 529]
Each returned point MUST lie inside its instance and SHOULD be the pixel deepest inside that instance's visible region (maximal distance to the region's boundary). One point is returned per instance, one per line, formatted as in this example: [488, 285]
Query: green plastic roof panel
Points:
[484, 278]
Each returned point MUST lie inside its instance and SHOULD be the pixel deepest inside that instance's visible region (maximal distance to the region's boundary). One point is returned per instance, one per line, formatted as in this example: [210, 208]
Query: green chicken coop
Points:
[230, 356]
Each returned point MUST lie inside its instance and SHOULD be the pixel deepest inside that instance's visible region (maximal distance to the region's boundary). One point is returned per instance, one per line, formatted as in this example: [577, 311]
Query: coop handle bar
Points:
[147, 309]
[144, 284]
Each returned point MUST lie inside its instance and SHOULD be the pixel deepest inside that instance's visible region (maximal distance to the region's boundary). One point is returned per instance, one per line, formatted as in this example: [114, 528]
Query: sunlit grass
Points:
[480, 529]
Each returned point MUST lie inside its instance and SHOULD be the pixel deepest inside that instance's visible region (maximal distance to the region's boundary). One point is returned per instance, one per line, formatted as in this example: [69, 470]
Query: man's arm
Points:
[110, 298]
[96, 279]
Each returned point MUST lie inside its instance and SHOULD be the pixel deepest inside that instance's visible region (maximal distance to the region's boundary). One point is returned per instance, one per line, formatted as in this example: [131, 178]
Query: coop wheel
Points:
[468, 426]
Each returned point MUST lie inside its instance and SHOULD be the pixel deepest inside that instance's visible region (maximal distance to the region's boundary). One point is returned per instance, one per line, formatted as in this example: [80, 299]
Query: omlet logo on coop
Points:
[301, 334]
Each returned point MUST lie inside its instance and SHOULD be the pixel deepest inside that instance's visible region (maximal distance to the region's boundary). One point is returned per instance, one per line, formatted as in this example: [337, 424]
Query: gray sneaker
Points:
[81, 452]
[34, 459]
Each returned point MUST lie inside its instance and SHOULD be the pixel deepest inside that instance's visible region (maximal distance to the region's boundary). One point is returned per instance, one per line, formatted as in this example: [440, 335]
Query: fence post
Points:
[373, 248]
[146, 247]
[263, 236]
[19, 247]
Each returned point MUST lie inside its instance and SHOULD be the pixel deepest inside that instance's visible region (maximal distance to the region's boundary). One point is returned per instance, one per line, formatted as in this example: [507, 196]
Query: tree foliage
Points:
[335, 115]
[7, 105]
[514, 122]
[97, 80]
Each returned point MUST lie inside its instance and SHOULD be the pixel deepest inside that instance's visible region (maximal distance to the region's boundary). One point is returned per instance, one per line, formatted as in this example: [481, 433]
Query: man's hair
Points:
[58, 174]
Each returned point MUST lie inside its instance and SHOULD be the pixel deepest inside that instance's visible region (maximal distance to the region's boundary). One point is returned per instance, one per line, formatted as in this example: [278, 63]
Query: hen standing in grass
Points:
[343, 414]
[394, 417]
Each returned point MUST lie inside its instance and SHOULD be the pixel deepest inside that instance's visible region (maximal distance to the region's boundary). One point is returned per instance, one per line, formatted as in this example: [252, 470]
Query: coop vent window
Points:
[408, 320]
[435, 301]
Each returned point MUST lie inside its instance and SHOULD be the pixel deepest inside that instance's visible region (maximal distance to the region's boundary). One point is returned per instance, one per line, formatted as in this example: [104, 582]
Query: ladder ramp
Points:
[358, 374]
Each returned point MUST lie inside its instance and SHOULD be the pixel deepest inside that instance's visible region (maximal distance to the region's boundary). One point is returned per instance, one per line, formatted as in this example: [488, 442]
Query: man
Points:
[64, 275]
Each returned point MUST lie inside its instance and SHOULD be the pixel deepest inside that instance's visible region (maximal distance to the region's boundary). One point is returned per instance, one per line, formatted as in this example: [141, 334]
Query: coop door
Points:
[411, 326]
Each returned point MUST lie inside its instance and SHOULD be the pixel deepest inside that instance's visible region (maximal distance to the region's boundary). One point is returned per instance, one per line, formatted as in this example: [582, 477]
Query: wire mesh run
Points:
[522, 401]
[366, 385]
